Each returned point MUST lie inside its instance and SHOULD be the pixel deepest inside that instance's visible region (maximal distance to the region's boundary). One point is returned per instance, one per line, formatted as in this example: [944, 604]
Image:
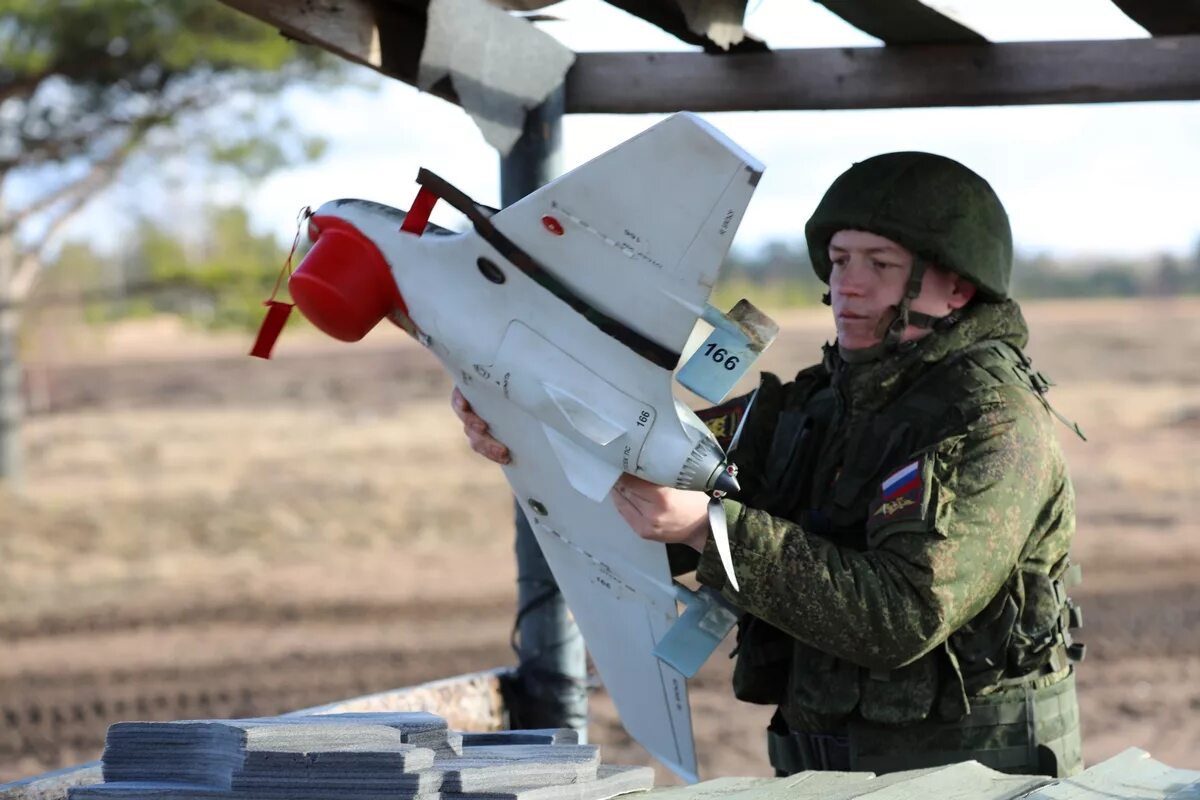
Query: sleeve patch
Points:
[902, 481]
[901, 497]
[723, 420]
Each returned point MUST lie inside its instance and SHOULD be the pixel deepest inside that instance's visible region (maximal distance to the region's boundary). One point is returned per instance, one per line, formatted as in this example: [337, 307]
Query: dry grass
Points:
[120, 501]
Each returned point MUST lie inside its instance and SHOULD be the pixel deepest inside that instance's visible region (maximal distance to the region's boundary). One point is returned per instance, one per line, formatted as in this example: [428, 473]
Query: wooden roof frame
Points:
[928, 61]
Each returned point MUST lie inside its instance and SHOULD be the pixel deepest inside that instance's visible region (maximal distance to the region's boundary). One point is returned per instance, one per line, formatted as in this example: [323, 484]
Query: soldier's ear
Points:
[961, 294]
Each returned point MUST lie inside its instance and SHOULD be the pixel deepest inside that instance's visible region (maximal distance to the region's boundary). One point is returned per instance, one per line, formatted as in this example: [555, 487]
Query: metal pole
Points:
[536, 158]
[550, 689]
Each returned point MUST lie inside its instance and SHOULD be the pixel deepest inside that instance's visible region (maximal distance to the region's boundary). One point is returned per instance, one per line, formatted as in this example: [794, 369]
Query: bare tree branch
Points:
[78, 193]
[82, 184]
[29, 266]
[86, 184]
[38, 151]
[31, 262]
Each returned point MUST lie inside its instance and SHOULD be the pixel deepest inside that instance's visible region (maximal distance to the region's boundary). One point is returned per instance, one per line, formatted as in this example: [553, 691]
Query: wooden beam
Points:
[385, 36]
[1018, 73]
[902, 21]
[388, 37]
[1163, 17]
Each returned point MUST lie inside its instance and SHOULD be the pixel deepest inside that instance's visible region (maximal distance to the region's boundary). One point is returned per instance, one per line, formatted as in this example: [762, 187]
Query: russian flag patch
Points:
[901, 498]
[902, 481]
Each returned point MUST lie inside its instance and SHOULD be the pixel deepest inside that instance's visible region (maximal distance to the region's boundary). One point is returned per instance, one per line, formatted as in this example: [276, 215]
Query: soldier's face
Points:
[868, 279]
[870, 273]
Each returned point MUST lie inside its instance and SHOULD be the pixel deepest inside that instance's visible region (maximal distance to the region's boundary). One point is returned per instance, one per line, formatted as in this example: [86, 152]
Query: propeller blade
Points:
[720, 531]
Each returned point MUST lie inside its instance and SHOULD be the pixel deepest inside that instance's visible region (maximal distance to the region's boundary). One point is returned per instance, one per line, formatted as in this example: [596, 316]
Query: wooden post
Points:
[536, 158]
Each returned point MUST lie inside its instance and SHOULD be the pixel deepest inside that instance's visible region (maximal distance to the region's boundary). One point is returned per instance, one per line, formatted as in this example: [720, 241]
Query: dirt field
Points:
[207, 534]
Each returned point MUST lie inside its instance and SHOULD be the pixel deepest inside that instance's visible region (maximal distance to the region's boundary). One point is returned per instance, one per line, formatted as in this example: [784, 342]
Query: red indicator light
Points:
[552, 225]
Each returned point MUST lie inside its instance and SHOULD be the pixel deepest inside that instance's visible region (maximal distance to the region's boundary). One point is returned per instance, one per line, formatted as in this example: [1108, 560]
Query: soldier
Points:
[902, 534]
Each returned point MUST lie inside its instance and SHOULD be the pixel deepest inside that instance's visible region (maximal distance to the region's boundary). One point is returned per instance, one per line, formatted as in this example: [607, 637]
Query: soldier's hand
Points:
[661, 513]
[477, 430]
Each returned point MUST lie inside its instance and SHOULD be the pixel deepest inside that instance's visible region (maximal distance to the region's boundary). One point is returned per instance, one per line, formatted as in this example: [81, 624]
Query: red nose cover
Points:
[344, 285]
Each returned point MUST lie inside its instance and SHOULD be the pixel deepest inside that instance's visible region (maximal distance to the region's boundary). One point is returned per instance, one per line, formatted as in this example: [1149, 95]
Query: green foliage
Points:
[81, 76]
[776, 276]
[238, 268]
[103, 41]
[77, 265]
[1040, 276]
[779, 275]
[216, 275]
[222, 280]
[769, 295]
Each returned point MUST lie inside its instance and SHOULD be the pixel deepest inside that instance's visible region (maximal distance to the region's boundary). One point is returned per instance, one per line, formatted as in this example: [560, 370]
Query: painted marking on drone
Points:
[608, 577]
[624, 248]
[726, 223]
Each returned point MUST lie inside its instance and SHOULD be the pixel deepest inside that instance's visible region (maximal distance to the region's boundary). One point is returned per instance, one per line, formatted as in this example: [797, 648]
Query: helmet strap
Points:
[920, 320]
[895, 320]
[903, 315]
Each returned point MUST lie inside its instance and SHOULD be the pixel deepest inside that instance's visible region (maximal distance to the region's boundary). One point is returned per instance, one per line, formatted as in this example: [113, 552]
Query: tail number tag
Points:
[717, 365]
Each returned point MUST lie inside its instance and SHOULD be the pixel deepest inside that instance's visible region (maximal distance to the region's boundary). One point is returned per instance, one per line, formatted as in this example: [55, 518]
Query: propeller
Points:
[726, 482]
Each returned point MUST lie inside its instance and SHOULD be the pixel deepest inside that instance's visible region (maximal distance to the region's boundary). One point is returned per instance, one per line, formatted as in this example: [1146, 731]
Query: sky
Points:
[1079, 181]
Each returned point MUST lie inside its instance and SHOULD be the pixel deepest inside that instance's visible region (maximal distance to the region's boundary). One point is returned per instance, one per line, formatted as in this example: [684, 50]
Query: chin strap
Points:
[892, 326]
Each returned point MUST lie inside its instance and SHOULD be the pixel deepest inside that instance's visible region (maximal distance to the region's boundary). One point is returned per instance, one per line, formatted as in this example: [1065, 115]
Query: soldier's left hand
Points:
[661, 513]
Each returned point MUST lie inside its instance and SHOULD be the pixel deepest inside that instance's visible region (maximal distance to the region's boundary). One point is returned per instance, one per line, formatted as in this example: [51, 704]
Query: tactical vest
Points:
[1000, 689]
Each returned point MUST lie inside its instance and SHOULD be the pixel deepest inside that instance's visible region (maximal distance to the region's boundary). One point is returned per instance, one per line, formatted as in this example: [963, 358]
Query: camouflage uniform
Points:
[901, 542]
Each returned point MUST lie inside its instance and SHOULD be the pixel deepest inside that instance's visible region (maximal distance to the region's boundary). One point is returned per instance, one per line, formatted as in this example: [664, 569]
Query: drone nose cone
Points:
[344, 285]
[726, 480]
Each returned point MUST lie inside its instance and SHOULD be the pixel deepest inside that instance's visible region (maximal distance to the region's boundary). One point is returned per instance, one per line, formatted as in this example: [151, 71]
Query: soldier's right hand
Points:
[477, 430]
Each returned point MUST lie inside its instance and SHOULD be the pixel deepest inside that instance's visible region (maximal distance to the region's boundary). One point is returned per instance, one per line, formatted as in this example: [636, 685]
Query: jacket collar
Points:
[871, 383]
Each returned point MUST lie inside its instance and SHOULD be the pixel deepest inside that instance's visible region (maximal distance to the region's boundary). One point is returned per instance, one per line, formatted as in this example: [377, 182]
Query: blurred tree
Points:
[95, 89]
[776, 275]
[1192, 271]
[1168, 279]
[223, 281]
[1041, 277]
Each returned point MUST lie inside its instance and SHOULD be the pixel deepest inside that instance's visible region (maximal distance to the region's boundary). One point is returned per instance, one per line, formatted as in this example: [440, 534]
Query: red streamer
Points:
[418, 215]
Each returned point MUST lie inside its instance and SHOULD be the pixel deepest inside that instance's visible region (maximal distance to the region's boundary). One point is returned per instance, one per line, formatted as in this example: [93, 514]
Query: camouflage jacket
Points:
[903, 531]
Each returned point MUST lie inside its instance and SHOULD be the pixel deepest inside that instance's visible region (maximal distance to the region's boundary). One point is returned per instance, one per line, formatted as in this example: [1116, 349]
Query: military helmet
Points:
[930, 204]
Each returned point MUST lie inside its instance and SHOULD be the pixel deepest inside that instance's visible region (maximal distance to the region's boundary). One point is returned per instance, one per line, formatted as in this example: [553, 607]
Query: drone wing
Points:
[618, 587]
